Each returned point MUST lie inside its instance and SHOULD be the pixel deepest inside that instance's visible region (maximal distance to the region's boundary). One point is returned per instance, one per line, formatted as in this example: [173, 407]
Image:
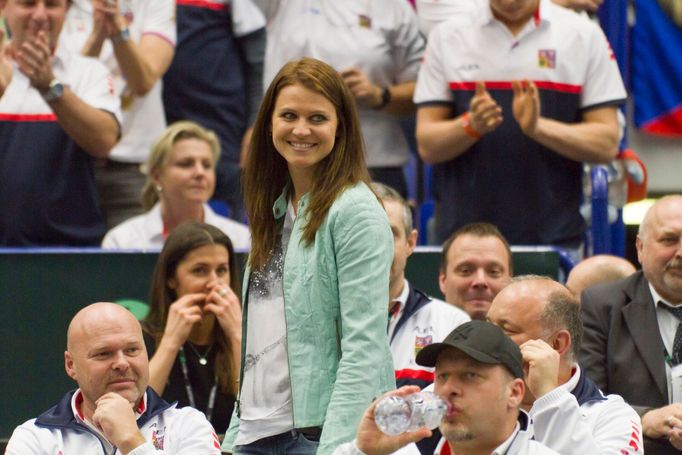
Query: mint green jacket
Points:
[336, 300]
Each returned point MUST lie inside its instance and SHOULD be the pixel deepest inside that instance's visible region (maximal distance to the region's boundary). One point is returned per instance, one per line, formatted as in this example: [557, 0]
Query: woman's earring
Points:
[159, 189]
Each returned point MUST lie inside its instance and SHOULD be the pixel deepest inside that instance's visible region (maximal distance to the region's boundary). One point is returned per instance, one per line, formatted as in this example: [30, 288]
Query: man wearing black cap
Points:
[479, 372]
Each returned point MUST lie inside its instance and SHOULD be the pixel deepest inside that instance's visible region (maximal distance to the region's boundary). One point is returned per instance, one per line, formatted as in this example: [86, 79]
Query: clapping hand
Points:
[485, 115]
[34, 59]
[5, 63]
[526, 105]
[107, 19]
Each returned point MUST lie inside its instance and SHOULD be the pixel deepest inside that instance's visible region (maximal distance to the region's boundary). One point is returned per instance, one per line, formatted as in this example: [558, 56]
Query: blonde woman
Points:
[180, 180]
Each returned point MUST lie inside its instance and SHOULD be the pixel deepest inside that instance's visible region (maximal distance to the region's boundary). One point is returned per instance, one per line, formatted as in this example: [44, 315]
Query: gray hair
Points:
[386, 193]
[561, 312]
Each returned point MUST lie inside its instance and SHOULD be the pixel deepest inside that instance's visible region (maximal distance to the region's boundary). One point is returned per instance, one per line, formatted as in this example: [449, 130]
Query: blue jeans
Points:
[289, 443]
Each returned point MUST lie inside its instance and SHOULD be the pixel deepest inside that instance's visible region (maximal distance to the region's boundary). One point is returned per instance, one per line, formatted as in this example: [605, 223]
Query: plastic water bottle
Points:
[394, 415]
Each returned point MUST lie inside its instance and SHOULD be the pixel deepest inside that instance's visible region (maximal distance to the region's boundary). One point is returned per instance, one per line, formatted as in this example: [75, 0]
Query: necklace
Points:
[202, 358]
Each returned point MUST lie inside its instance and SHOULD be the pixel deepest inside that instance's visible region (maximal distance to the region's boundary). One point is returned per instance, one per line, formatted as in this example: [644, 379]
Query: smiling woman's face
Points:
[303, 128]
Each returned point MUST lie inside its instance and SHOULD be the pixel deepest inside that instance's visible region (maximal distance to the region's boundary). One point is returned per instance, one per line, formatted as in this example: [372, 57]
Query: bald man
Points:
[631, 329]
[602, 268]
[113, 410]
[569, 412]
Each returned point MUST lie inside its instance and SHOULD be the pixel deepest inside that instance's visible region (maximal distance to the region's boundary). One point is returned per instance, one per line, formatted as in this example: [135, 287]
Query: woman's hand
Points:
[182, 315]
[225, 305]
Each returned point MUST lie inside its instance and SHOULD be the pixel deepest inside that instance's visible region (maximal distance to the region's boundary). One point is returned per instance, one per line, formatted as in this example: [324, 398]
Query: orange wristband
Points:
[468, 129]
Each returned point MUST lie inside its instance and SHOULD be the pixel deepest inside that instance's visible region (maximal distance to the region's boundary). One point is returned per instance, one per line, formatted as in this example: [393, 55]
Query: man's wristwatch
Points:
[385, 99]
[54, 91]
[122, 37]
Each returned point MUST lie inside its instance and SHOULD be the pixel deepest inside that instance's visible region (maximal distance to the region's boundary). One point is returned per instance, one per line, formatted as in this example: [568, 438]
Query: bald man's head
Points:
[535, 307]
[88, 318]
[659, 247]
[601, 268]
[106, 353]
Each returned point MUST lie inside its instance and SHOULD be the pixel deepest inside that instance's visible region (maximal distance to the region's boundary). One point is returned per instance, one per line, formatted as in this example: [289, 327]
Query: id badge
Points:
[676, 381]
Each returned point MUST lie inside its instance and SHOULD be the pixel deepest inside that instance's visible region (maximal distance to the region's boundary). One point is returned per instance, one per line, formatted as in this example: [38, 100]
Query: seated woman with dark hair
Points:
[180, 180]
[193, 329]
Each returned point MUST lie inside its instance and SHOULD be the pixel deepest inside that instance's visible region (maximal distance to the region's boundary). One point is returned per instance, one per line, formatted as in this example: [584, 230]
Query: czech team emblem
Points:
[547, 58]
[421, 342]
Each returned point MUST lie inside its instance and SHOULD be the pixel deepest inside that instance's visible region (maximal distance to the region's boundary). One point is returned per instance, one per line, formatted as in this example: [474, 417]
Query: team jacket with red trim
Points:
[423, 321]
[520, 442]
[577, 418]
[167, 429]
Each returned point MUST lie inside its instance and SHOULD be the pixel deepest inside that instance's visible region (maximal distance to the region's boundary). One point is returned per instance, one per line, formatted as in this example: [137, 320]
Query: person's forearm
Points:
[139, 75]
[235, 360]
[591, 142]
[253, 50]
[93, 45]
[442, 140]
[161, 364]
[135, 441]
[94, 130]
[401, 99]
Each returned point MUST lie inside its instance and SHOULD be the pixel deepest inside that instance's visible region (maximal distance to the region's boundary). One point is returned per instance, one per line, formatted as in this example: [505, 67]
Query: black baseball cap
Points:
[481, 341]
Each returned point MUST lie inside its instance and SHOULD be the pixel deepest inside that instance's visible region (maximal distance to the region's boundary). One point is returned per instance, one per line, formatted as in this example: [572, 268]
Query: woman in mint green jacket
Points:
[314, 350]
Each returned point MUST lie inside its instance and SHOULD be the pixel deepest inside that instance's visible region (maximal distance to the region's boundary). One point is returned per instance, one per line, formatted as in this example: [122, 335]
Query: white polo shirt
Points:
[143, 116]
[146, 231]
[570, 61]
[379, 37]
[558, 49]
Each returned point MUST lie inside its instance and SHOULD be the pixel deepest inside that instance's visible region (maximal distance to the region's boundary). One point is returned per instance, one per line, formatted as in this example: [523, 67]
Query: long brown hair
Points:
[266, 172]
[184, 239]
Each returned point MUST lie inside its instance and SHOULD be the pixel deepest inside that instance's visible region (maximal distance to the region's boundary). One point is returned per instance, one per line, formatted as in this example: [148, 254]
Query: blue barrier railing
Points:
[600, 229]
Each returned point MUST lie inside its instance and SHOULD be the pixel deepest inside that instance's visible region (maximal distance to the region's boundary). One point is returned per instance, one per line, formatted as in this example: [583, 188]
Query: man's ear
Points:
[517, 390]
[638, 244]
[441, 281]
[562, 342]
[68, 360]
[412, 241]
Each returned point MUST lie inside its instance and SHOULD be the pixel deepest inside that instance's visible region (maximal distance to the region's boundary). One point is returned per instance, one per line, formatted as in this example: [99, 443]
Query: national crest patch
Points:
[364, 21]
[547, 58]
[157, 438]
[421, 342]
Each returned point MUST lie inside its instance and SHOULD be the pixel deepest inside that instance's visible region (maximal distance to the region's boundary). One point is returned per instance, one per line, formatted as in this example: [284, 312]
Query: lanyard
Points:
[190, 392]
